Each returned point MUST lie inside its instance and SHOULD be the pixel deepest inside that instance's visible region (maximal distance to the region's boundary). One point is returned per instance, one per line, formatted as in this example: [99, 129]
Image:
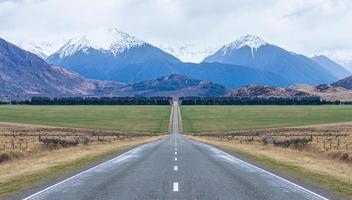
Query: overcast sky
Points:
[303, 26]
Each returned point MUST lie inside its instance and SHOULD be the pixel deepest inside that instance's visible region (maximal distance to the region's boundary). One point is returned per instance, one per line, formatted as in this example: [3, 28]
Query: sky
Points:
[304, 26]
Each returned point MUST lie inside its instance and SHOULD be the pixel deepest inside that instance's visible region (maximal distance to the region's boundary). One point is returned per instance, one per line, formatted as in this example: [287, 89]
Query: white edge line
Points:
[92, 168]
[287, 181]
[175, 187]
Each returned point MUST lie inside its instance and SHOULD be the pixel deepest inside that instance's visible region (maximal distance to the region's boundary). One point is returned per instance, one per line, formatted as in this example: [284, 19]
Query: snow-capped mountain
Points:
[114, 41]
[42, 49]
[33, 48]
[23, 75]
[251, 41]
[118, 57]
[254, 52]
[188, 52]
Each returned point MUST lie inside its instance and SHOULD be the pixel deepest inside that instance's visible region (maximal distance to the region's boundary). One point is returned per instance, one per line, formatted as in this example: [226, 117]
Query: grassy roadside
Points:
[171, 119]
[180, 121]
[326, 181]
[21, 182]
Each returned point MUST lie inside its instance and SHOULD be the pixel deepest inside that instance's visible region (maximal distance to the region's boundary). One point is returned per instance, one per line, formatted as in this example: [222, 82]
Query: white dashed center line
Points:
[175, 159]
[175, 152]
[175, 168]
[175, 186]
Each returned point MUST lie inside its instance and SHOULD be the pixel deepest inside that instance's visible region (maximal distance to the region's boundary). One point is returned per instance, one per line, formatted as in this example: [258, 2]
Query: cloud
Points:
[307, 27]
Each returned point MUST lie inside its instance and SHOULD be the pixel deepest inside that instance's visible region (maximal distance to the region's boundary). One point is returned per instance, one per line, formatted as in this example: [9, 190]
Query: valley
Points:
[132, 67]
[175, 100]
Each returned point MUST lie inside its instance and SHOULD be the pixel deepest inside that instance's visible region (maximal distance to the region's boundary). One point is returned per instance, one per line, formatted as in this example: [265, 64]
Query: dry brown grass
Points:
[46, 159]
[321, 154]
[330, 94]
[327, 139]
[31, 139]
[306, 159]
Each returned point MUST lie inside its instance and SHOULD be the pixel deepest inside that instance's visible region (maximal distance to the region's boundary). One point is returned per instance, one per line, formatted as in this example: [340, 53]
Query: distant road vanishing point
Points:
[175, 168]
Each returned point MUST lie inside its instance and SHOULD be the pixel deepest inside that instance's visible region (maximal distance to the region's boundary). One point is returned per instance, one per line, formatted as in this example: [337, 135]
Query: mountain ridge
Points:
[256, 53]
[330, 65]
[24, 75]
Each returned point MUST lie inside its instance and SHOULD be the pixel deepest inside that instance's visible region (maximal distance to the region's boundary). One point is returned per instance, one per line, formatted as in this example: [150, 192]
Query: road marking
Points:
[175, 186]
[175, 168]
[88, 170]
[260, 169]
[176, 159]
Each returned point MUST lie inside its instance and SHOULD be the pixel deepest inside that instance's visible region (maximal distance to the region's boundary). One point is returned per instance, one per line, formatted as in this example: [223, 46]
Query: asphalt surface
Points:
[175, 168]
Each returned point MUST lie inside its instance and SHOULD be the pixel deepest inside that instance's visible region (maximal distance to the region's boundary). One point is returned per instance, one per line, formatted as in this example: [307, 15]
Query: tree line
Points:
[313, 100]
[96, 101]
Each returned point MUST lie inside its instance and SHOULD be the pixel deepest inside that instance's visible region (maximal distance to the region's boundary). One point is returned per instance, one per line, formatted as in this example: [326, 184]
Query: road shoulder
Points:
[325, 184]
[59, 165]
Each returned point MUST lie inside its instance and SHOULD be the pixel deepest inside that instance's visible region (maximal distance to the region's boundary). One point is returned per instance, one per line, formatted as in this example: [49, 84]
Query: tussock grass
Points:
[328, 173]
[36, 169]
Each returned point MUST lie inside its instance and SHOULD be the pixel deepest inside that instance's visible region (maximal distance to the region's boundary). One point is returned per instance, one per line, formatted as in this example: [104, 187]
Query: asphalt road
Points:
[175, 168]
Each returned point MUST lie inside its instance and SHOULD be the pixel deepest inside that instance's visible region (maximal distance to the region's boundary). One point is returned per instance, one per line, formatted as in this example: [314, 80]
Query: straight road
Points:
[175, 168]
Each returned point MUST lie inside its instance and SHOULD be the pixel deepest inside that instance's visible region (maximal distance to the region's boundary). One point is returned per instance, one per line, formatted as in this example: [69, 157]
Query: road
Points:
[175, 168]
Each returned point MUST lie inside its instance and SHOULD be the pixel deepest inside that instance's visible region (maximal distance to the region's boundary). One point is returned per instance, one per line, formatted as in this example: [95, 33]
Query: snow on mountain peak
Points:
[251, 41]
[42, 49]
[74, 45]
[33, 48]
[188, 52]
[122, 41]
[112, 40]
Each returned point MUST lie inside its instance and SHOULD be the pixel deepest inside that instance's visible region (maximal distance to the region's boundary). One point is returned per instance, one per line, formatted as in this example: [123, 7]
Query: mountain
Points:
[24, 74]
[254, 52]
[121, 58]
[343, 58]
[344, 83]
[330, 65]
[265, 91]
[125, 58]
[188, 52]
[324, 91]
[232, 76]
[174, 85]
[33, 48]
[41, 49]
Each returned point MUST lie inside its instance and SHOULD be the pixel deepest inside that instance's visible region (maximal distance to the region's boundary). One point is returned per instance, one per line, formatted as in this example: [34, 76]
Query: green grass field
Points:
[152, 119]
[235, 118]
